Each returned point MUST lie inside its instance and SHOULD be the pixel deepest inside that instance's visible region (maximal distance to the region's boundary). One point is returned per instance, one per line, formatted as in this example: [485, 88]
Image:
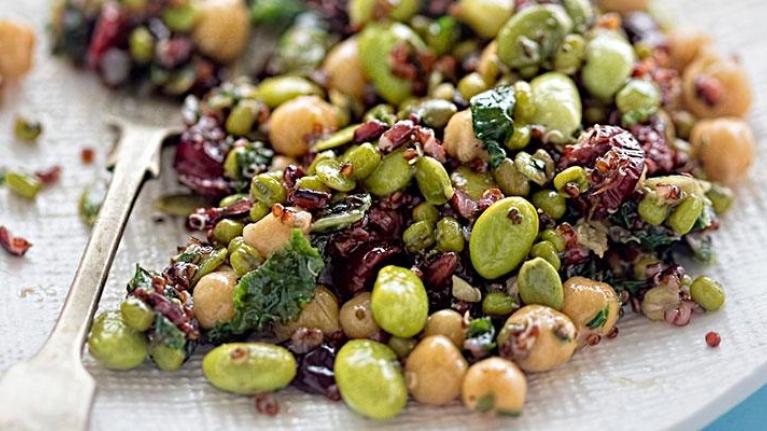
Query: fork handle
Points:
[136, 147]
[52, 390]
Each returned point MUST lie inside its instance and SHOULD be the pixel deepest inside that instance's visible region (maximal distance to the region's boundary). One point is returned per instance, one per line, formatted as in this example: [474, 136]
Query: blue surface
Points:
[749, 415]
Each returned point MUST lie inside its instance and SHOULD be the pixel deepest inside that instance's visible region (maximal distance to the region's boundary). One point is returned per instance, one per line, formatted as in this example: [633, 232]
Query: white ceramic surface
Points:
[652, 376]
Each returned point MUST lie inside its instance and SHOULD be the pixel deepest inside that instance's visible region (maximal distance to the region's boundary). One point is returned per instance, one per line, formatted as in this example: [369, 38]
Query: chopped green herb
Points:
[491, 115]
[600, 319]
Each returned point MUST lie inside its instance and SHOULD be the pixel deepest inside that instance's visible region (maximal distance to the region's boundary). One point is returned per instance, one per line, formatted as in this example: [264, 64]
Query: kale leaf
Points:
[141, 278]
[491, 116]
[274, 292]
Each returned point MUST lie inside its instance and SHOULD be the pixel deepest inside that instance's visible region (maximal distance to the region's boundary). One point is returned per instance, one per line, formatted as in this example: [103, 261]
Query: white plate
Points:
[652, 376]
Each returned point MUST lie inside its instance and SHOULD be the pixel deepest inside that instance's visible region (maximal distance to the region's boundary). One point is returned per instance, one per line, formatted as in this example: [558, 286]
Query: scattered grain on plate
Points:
[713, 339]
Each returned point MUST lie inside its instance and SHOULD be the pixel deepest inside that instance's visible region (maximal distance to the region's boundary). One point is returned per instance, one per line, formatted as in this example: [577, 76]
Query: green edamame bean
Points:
[268, 189]
[557, 106]
[320, 157]
[551, 203]
[485, 17]
[450, 235]
[574, 176]
[510, 180]
[539, 283]
[226, 230]
[311, 182]
[609, 62]
[242, 118]
[471, 85]
[114, 344]
[362, 12]
[23, 185]
[707, 293]
[364, 159]
[376, 43]
[499, 304]
[524, 110]
[554, 237]
[402, 346]
[141, 45]
[136, 314]
[180, 18]
[418, 236]
[249, 368]
[570, 54]
[502, 236]
[581, 12]
[638, 100]
[426, 212]
[520, 138]
[532, 35]
[337, 139]
[332, 173]
[433, 181]
[651, 211]
[436, 113]
[531, 168]
[279, 89]
[370, 379]
[243, 258]
[471, 182]
[442, 34]
[231, 200]
[258, 211]
[210, 264]
[382, 112]
[684, 216]
[721, 198]
[165, 357]
[399, 302]
[547, 251]
[391, 175]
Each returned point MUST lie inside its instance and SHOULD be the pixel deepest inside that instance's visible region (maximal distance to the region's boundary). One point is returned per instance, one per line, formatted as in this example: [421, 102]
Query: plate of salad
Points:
[533, 214]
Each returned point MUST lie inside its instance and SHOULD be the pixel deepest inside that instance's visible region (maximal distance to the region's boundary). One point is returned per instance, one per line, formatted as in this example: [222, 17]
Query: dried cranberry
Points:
[315, 371]
[14, 245]
[309, 199]
[106, 34]
[615, 162]
[463, 205]
[369, 131]
[398, 135]
[200, 157]
[49, 176]
[660, 158]
[206, 218]
[360, 269]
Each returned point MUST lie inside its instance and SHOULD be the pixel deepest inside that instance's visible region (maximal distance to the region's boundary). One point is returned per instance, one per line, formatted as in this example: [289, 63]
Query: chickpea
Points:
[356, 317]
[495, 384]
[449, 323]
[593, 307]
[460, 141]
[487, 67]
[271, 233]
[320, 313]
[685, 45]
[17, 43]
[222, 28]
[623, 6]
[434, 371]
[296, 122]
[344, 69]
[714, 87]
[213, 300]
[279, 163]
[725, 148]
[538, 338]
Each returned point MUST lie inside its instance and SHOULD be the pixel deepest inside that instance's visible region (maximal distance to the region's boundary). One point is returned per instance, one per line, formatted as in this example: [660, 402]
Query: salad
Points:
[431, 200]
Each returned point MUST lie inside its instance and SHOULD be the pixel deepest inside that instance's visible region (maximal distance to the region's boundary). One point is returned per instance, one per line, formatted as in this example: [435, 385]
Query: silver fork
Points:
[52, 390]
